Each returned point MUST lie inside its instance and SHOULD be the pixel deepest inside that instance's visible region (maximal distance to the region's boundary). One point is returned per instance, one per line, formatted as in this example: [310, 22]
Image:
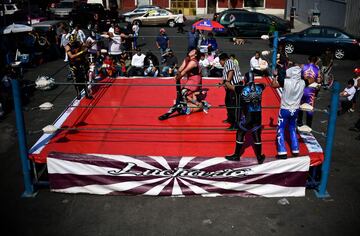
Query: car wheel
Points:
[289, 48]
[339, 53]
[171, 23]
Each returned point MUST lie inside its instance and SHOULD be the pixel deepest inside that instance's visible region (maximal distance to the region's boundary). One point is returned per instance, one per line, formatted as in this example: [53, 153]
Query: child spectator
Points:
[204, 65]
[233, 57]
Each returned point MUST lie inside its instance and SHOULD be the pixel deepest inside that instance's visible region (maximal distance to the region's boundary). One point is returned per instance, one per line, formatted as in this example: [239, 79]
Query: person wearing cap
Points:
[250, 98]
[171, 63]
[162, 43]
[293, 89]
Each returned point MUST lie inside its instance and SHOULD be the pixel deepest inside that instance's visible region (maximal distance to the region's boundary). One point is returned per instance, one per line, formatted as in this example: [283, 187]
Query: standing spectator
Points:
[115, 44]
[231, 26]
[94, 49]
[151, 65]
[64, 40]
[293, 90]
[357, 87]
[258, 65]
[193, 38]
[171, 64]
[80, 35]
[53, 51]
[135, 31]
[327, 61]
[231, 78]
[137, 64]
[281, 63]
[346, 96]
[179, 20]
[211, 43]
[162, 43]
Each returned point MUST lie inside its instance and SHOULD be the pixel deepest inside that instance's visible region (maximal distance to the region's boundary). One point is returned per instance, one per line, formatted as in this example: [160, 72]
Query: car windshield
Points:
[66, 5]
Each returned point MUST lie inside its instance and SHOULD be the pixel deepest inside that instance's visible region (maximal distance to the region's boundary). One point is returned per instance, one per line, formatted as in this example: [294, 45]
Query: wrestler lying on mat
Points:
[190, 97]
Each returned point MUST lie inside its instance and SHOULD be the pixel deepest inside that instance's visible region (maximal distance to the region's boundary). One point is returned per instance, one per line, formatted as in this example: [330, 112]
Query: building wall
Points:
[161, 3]
[280, 4]
[352, 17]
[332, 12]
[202, 3]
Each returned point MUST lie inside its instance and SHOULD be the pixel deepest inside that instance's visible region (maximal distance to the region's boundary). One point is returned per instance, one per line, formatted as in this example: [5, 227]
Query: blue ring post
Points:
[20, 125]
[275, 46]
[330, 134]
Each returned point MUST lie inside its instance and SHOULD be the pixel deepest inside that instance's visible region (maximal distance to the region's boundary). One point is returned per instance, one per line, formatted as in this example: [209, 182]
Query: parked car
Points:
[83, 13]
[139, 11]
[42, 27]
[218, 15]
[64, 8]
[315, 39]
[252, 23]
[8, 9]
[155, 17]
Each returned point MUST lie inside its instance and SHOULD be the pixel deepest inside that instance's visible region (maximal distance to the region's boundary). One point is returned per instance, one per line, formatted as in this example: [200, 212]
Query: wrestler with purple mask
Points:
[311, 74]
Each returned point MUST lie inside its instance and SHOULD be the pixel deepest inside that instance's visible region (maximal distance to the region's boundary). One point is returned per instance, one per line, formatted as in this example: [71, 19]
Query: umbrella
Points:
[208, 25]
[16, 28]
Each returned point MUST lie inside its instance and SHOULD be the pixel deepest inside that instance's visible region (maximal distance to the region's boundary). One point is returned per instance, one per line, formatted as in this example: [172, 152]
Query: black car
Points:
[252, 23]
[84, 13]
[316, 39]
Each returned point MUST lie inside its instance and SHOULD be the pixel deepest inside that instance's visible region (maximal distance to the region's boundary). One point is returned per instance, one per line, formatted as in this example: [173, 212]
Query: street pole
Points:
[330, 134]
[20, 125]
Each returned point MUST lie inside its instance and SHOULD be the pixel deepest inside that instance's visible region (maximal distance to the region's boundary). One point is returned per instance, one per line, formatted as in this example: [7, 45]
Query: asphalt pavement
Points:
[59, 214]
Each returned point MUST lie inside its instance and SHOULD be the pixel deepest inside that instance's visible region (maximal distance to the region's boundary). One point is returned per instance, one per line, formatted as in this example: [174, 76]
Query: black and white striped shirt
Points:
[231, 66]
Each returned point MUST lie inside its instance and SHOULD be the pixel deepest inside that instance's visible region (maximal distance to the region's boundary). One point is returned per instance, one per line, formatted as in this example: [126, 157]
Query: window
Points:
[254, 3]
[263, 19]
[313, 32]
[249, 18]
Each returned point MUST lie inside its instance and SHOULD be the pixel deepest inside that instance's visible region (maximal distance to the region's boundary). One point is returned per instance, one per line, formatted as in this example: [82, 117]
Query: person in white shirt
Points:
[80, 35]
[64, 41]
[137, 64]
[204, 65]
[293, 89]
[258, 65]
[179, 20]
[115, 44]
[216, 68]
[346, 96]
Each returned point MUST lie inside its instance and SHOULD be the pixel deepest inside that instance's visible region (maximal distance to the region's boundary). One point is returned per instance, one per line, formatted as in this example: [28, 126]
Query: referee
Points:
[231, 77]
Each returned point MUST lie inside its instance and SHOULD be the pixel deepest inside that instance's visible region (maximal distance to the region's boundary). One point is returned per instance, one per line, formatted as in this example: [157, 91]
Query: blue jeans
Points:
[287, 118]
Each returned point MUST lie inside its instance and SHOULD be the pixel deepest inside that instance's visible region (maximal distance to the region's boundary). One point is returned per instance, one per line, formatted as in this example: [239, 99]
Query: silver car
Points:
[155, 17]
[63, 9]
[139, 11]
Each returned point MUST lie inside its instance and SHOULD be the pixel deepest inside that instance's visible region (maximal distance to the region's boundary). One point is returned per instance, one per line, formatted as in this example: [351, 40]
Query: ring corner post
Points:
[20, 125]
[325, 170]
[275, 46]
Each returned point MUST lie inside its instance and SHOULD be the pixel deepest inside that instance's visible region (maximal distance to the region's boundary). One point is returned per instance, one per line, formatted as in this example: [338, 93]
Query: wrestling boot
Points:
[87, 94]
[78, 93]
[236, 155]
[164, 117]
[260, 157]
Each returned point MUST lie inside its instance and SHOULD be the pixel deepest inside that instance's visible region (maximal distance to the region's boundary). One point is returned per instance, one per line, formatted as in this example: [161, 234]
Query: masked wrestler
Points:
[78, 64]
[311, 74]
[190, 97]
[293, 88]
[250, 98]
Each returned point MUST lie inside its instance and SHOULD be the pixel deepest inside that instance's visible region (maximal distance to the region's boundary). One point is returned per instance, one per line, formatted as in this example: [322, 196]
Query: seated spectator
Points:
[107, 68]
[216, 69]
[151, 65]
[204, 65]
[124, 64]
[357, 87]
[258, 65]
[171, 64]
[346, 96]
[137, 64]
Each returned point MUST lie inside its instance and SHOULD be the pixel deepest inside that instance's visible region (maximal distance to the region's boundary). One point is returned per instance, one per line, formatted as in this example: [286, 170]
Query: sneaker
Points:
[281, 157]
[351, 110]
